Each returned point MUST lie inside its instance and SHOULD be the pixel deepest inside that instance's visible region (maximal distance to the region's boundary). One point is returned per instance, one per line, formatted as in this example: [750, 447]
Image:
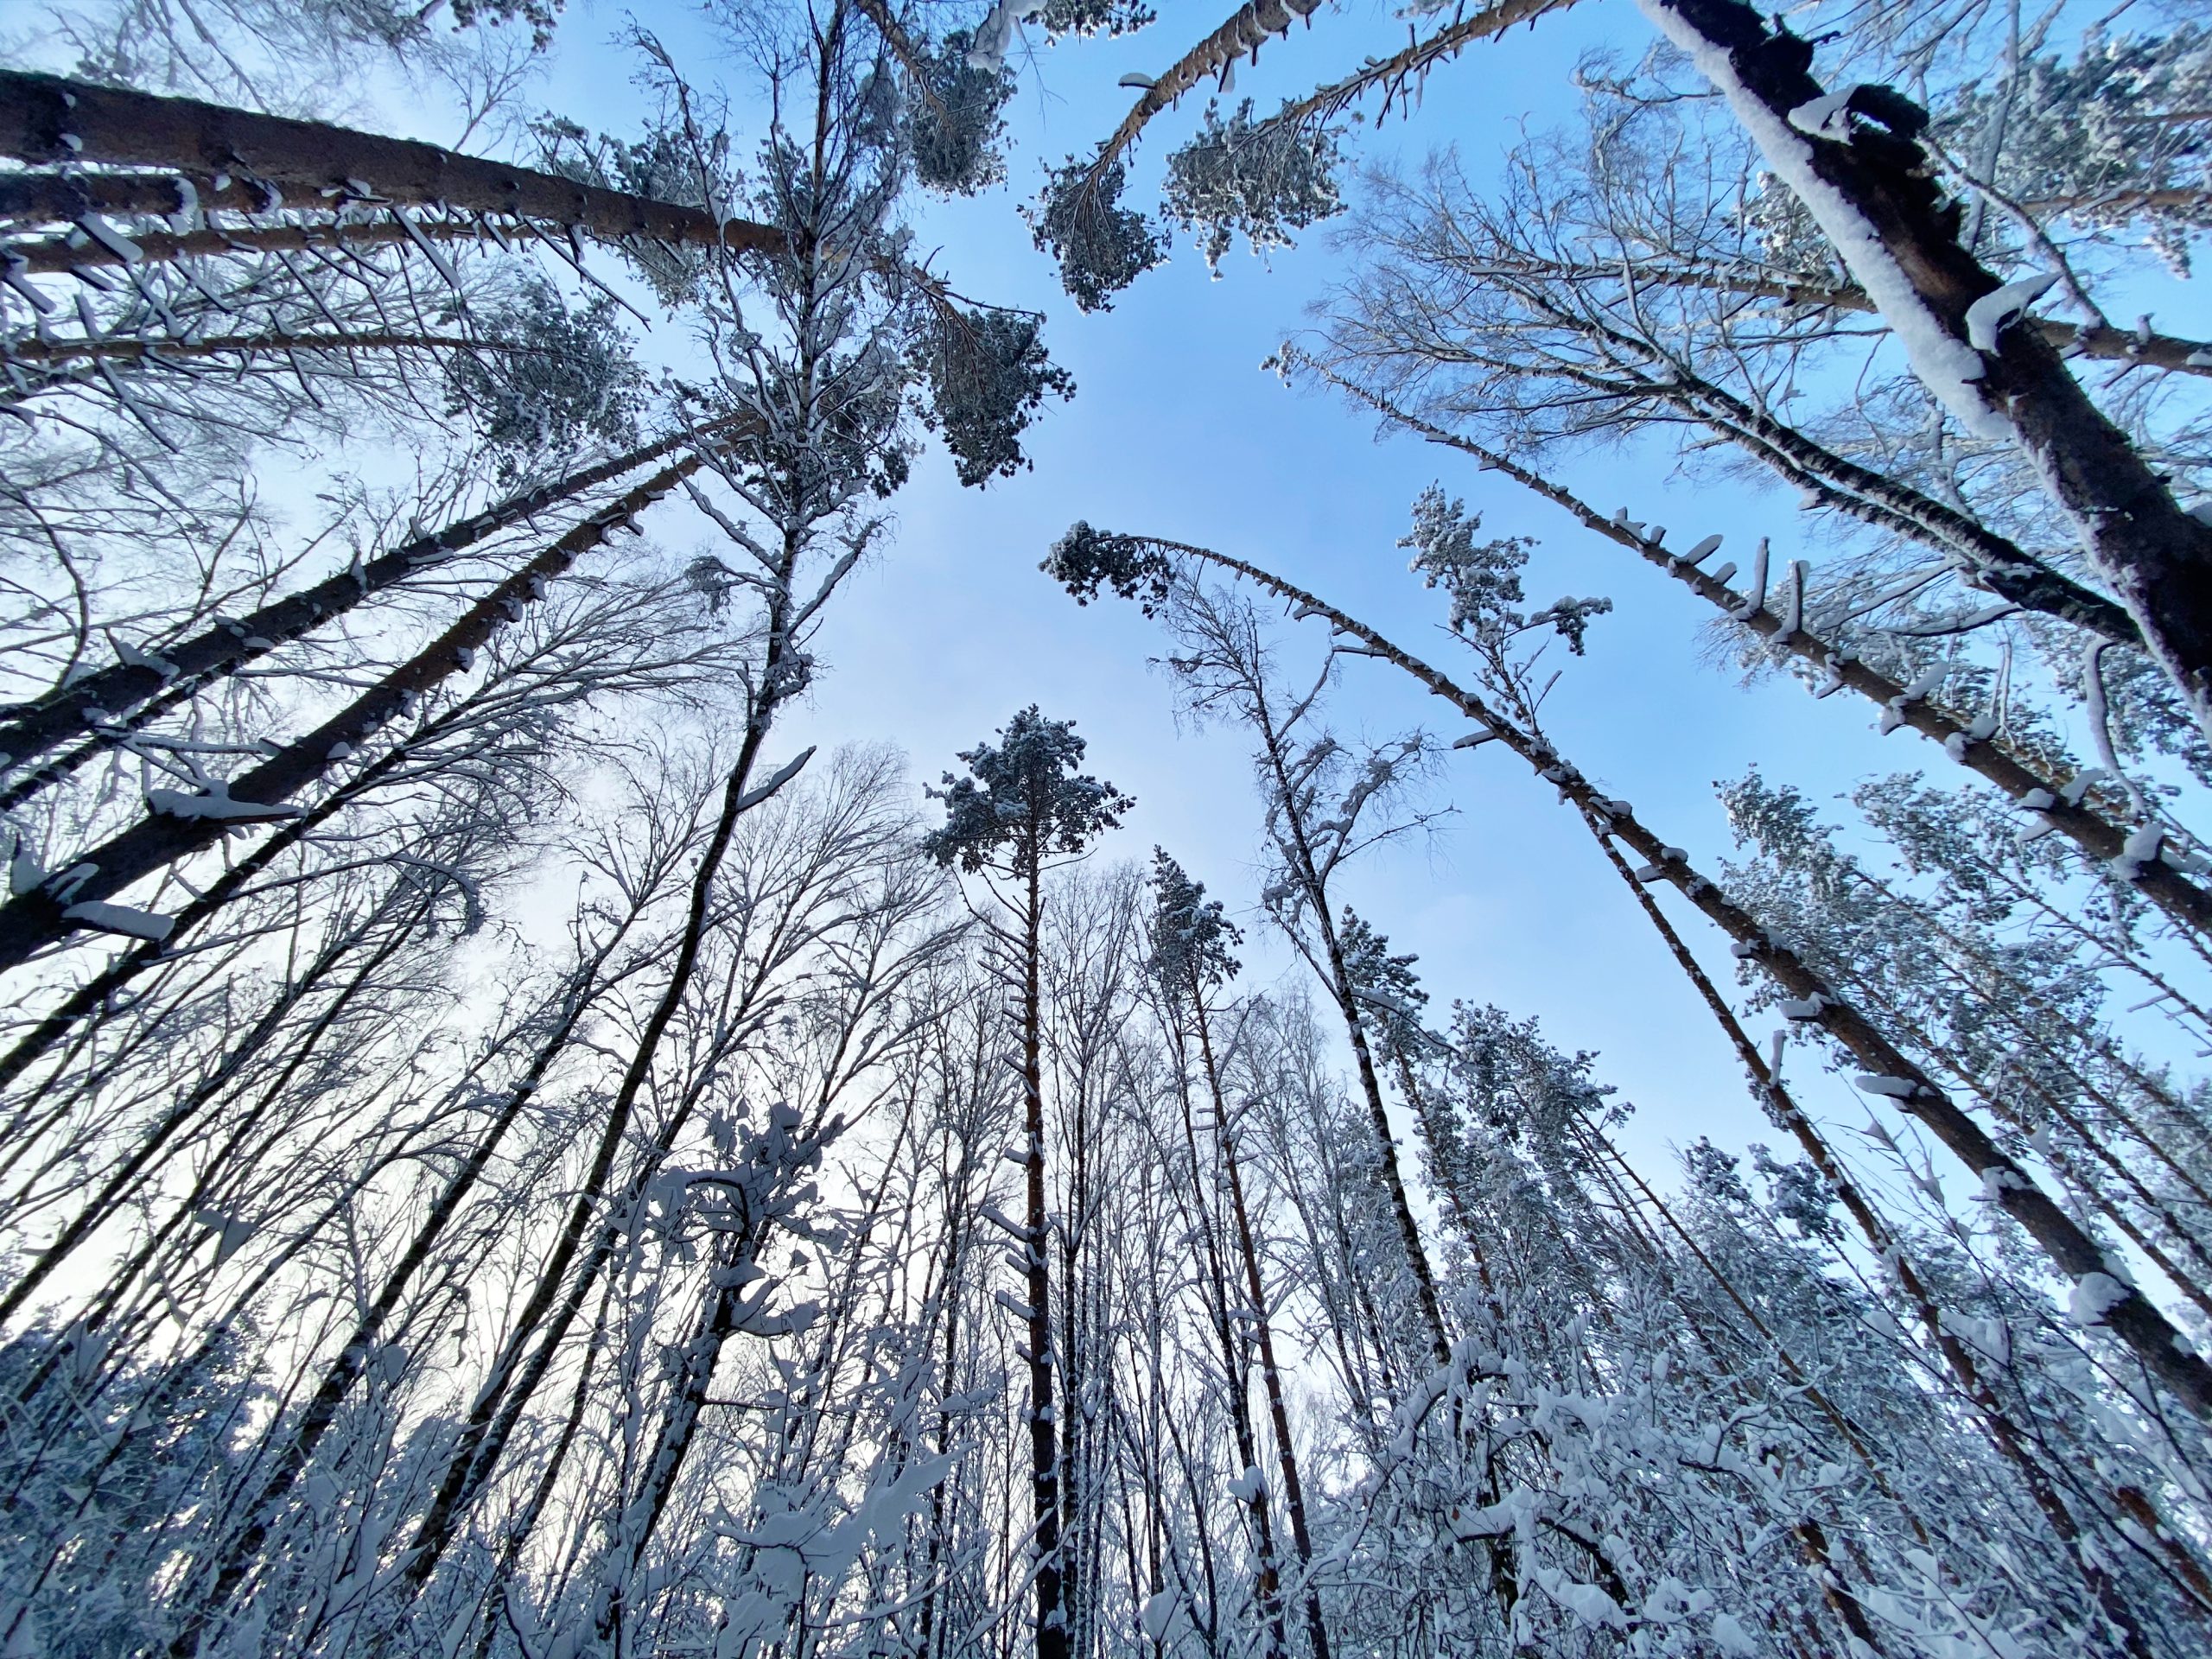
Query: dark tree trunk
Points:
[2156, 1342]
[1991, 759]
[1293, 1492]
[1043, 1450]
[167, 676]
[33, 919]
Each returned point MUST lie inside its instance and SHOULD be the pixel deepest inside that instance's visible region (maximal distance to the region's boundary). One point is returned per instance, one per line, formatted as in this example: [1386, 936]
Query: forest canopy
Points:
[529, 1129]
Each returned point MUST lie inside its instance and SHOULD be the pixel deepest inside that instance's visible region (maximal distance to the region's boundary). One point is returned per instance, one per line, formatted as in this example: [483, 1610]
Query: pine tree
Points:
[1023, 810]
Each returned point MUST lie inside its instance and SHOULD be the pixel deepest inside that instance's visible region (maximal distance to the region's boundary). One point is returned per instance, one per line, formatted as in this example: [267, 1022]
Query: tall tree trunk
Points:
[101, 1204]
[58, 255]
[48, 120]
[500, 1401]
[1307, 871]
[2156, 1342]
[76, 897]
[352, 1359]
[1989, 757]
[2013, 1444]
[1294, 1491]
[1235, 1367]
[1044, 1452]
[2168, 353]
[94, 992]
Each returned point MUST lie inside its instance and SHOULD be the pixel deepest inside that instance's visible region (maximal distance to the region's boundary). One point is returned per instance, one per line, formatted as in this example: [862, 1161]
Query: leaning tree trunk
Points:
[2011, 1442]
[1340, 991]
[179, 826]
[500, 1401]
[149, 682]
[48, 121]
[101, 1204]
[352, 1360]
[1982, 752]
[1858, 167]
[2168, 353]
[57, 255]
[1990, 560]
[2156, 1342]
[94, 992]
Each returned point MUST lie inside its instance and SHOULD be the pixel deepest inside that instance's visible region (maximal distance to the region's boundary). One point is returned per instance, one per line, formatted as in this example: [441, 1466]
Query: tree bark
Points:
[48, 120]
[33, 919]
[1053, 1641]
[2156, 1342]
[1293, 1492]
[1874, 194]
[1991, 758]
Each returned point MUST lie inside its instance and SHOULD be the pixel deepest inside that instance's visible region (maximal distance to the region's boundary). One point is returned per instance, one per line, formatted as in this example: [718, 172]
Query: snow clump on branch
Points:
[1085, 559]
[1264, 180]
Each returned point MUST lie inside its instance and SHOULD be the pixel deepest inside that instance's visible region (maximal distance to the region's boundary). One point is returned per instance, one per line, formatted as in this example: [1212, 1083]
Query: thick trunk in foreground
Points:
[1864, 178]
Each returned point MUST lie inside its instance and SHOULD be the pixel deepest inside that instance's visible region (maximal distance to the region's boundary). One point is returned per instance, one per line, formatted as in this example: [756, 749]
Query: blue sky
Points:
[1176, 429]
